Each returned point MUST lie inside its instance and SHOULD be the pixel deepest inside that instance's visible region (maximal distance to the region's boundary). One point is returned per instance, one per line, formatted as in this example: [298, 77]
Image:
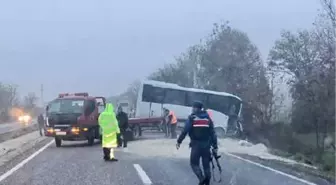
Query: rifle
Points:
[215, 156]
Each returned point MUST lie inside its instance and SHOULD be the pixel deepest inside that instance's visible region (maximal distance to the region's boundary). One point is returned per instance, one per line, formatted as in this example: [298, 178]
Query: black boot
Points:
[114, 160]
[201, 182]
[110, 160]
[205, 181]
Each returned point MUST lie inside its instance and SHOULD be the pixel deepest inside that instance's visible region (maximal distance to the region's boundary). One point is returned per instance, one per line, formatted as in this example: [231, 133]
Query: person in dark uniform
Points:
[201, 131]
[122, 118]
[40, 121]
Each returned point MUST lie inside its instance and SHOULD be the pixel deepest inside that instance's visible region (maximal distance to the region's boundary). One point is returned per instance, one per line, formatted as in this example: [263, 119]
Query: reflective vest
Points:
[200, 129]
[174, 119]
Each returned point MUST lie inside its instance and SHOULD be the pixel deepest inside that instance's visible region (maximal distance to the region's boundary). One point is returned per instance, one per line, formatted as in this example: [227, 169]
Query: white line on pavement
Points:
[143, 176]
[18, 166]
[271, 169]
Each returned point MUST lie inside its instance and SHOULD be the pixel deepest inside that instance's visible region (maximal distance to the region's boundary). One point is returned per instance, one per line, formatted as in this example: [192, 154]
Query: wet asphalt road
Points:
[11, 126]
[75, 163]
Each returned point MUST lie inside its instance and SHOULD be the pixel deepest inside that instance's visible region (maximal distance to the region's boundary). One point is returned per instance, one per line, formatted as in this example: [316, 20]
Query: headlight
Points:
[75, 129]
[26, 118]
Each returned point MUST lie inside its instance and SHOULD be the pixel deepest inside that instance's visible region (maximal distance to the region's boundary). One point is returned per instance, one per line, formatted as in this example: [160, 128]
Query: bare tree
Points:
[132, 93]
[226, 61]
[8, 99]
[30, 101]
[309, 56]
[329, 9]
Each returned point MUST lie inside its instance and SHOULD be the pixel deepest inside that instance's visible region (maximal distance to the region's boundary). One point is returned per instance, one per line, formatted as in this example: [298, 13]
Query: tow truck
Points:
[74, 117]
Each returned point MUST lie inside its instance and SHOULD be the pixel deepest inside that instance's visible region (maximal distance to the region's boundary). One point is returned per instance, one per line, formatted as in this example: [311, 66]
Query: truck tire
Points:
[58, 142]
[97, 133]
[91, 141]
[92, 137]
[140, 131]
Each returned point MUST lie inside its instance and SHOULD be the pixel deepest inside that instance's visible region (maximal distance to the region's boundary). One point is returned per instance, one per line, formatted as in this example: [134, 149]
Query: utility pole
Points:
[196, 69]
[42, 101]
[194, 64]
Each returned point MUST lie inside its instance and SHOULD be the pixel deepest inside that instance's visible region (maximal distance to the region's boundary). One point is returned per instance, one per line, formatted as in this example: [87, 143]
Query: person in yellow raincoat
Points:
[109, 127]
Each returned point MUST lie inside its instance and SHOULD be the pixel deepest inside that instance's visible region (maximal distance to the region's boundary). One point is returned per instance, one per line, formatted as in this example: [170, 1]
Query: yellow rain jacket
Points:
[109, 126]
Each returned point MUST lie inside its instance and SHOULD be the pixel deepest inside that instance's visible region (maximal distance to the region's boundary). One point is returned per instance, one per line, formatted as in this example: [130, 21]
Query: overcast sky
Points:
[102, 46]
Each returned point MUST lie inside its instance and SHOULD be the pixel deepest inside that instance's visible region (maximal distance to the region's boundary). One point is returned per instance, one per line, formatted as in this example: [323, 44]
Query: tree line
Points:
[11, 105]
[228, 61]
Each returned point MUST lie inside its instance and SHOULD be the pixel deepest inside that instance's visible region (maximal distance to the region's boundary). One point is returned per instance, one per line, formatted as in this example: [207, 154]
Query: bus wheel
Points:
[220, 132]
[58, 142]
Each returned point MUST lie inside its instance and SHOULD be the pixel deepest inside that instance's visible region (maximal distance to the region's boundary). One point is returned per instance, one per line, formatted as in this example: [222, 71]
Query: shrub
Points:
[328, 161]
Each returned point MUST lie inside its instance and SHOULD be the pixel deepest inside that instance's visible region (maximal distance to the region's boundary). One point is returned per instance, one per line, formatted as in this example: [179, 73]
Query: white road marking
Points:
[271, 169]
[18, 166]
[143, 176]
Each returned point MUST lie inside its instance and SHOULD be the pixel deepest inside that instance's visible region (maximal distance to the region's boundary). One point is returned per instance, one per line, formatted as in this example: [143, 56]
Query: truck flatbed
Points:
[140, 124]
[150, 120]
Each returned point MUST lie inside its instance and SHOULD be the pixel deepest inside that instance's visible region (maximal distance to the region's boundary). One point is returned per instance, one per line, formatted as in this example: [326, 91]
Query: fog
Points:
[102, 46]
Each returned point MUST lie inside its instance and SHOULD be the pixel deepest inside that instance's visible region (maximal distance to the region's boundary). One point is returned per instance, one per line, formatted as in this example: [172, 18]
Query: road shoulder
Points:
[295, 170]
[11, 132]
[14, 151]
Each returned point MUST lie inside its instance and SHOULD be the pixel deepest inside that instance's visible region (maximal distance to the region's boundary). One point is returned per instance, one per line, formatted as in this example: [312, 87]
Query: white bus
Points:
[154, 95]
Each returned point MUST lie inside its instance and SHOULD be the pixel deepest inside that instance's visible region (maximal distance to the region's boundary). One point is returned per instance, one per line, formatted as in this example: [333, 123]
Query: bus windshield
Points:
[66, 106]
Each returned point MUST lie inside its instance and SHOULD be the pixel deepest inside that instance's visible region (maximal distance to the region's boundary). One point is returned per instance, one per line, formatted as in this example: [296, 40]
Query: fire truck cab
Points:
[73, 117]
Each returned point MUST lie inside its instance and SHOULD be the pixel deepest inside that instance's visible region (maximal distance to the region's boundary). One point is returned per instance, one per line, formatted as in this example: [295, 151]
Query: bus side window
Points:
[175, 97]
[152, 94]
[219, 103]
[147, 93]
[196, 96]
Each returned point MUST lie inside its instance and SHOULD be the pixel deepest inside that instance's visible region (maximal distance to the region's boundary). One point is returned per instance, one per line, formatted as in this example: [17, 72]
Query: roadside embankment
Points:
[17, 132]
[13, 151]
